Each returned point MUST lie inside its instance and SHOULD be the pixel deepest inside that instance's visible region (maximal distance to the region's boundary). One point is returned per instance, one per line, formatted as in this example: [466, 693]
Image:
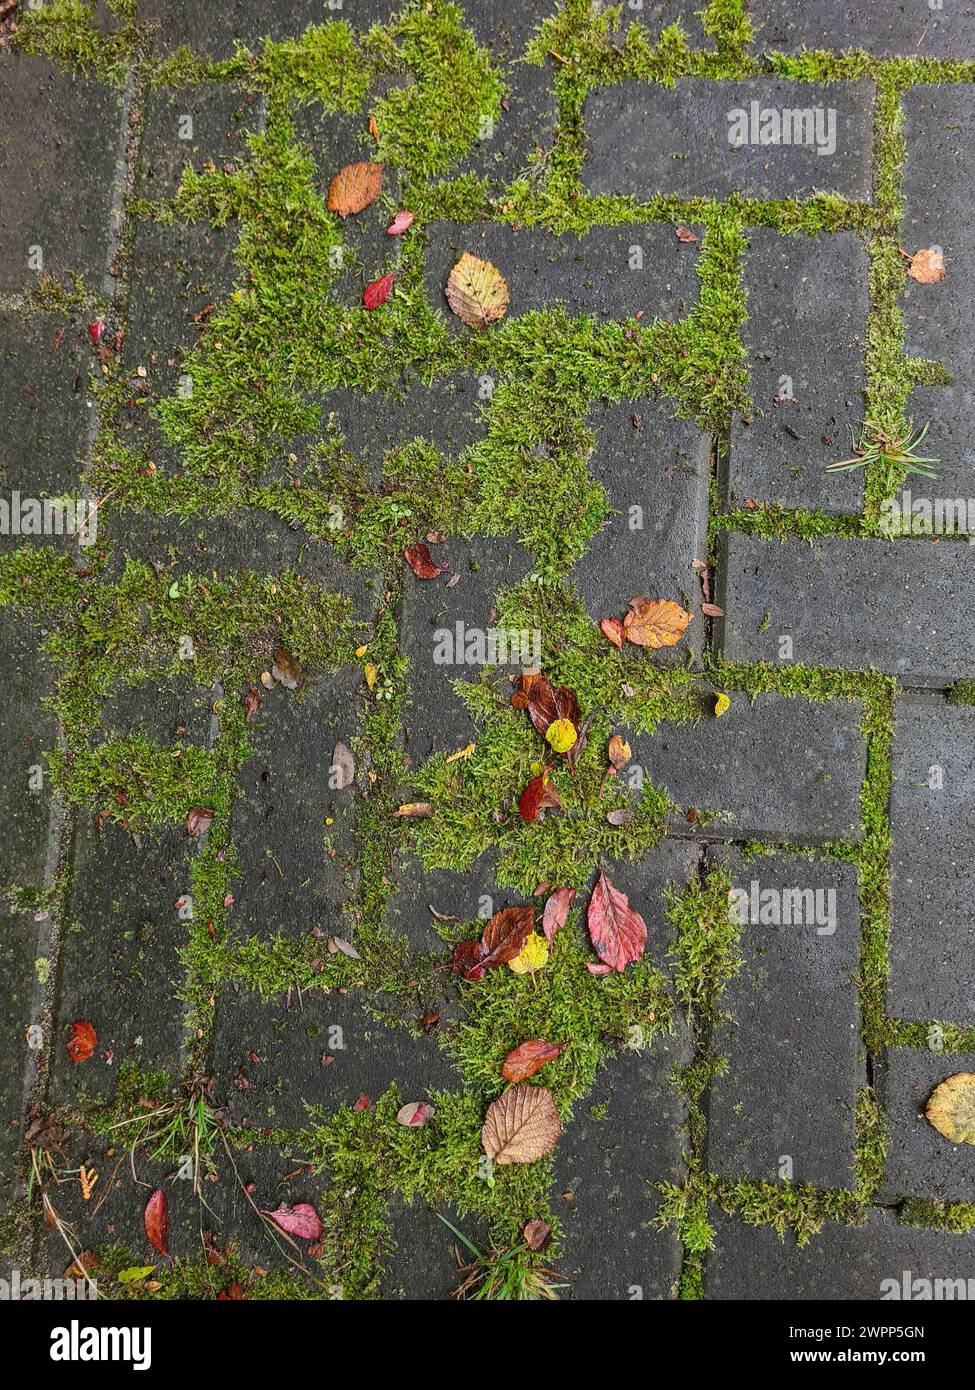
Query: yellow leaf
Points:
[464, 752]
[532, 955]
[951, 1108]
[477, 292]
[361, 651]
[561, 735]
[619, 752]
[372, 675]
[721, 704]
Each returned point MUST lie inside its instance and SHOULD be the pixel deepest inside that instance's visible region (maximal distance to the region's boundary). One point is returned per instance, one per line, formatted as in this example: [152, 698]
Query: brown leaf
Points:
[614, 630]
[538, 1235]
[951, 1108]
[354, 188]
[712, 610]
[252, 702]
[548, 703]
[521, 1126]
[527, 1058]
[616, 930]
[156, 1222]
[505, 935]
[655, 622]
[198, 820]
[421, 562]
[927, 266]
[623, 816]
[414, 809]
[540, 795]
[343, 767]
[466, 959]
[556, 912]
[477, 292]
[619, 752]
[82, 1042]
[285, 669]
[685, 234]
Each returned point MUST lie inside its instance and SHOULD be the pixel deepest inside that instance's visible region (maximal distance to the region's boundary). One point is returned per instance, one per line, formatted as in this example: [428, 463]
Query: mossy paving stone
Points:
[795, 1062]
[119, 963]
[937, 212]
[468, 896]
[932, 943]
[805, 338]
[291, 1037]
[441, 625]
[901, 608]
[422, 1264]
[169, 711]
[920, 1161]
[587, 276]
[886, 30]
[653, 16]
[56, 167]
[842, 1262]
[204, 124]
[644, 139]
[44, 399]
[654, 469]
[214, 29]
[297, 871]
[775, 769]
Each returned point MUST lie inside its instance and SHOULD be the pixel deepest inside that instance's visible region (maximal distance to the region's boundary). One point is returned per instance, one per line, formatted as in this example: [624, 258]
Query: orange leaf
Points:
[655, 622]
[82, 1042]
[527, 1058]
[354, 188]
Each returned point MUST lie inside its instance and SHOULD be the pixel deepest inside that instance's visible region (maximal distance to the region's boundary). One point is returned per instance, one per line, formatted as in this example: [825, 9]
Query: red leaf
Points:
[198, 820]
[363, 1103]
[538, 796]
[466, 958]
[156, 1221]
[685, 234]
[614, 630]
[421, 562]
[617, 931]
[378, 292]
[96, 331]
[528, 1058]
[252, 702]
[504, 936]
[302, 1221]
[400, 224]
[538, 1235]
[556, 911]
[414, 1114]
[82, 1042]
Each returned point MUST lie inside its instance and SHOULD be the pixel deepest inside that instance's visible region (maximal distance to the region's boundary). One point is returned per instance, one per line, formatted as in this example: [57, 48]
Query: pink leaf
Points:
[598, 969]
[415, 1114]
[556, 911]
[378, 292]
[618, 932]
[302, 1221]
[400, 223]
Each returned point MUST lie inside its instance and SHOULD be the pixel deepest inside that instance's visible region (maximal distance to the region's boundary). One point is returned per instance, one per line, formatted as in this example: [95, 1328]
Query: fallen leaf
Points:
[617, 931]
[374, 129]
[721, 704]
[371, 674]
[712, 610]
[951, 1108]
[378, 291]
[462, 754]
[343, 765]
[414, 809]
[414, 1114]
[156, 1222]
[134, 1273]
[685, 234]
[532, 956]
[302, 1220]
[538, 1235]
[619, 752]
[556, 912]
[614, 630]
[655, 622]
[354, 187]
[363, 1103]
[401, 223]
[595, 969]
[477, 292]
[540, 795]
[339, 944]
[927, 266]
[466, 959]
[521, 1126]
[547, 704]
[198, 820]
[561, 735]
[96, 331]
[528, 1058]
[622, 816]
[421, 562]
[285, 669]
[252, 702]
[504, 936]
[82, 1042]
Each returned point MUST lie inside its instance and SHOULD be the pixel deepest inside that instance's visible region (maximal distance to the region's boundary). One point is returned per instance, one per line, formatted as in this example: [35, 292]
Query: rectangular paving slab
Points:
[937, 213]
[57, 162]
[773, 768]
[786, 1106]
[612, 273]
[886, 30]
[764, 137]
[193, 126]
[215, 29]
[932, 936]
[805, 338]
[842, 1262]
[920, 1161]
[901, 607]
